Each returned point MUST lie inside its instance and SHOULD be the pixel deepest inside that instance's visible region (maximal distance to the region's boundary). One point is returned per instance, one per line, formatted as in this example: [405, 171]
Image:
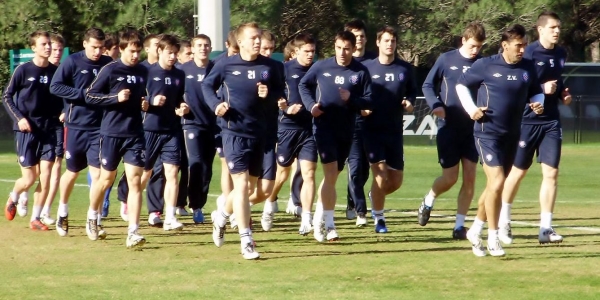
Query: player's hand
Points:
[182, 110]
[440, 112]
[478, 113]
[263, 90]
[159, 100]
[344, 94]
[566, 97]
[282, 104]
[316, 111]
[222, 109]
[537, 107]
[293, 109]
[61, 118]
[123, 95]
[145, 104]
[549, 87]
[365, 112]
[24, 125]
[408, 107]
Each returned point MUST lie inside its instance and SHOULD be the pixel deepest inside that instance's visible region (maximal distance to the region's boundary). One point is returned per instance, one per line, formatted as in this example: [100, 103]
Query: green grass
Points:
[411, 262]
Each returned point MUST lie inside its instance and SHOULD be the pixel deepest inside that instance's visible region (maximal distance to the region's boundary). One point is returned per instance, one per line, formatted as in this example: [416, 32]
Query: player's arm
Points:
[535, 93]
[61, 84]
[472, 78]
[99, 91]
[210, 85]
[14, 85]
[307, 85]
[182, 108]
[411, 90]
[432, 82]
[363, 100]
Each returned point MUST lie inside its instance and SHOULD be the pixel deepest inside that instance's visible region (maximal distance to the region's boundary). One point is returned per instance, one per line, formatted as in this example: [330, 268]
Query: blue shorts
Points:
[543, 139]
[333, 146]
[59, 150]
[163, 145]
[31, 147]
[385, 147]
[453, 144]
[497, 152]
[269, 166]
[82, 149]
[293, 144]
[243, 154]
[131, 149]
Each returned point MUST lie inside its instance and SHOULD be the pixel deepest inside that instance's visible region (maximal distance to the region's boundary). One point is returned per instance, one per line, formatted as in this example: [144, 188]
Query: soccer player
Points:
[289, 52]
[455, 142]
[334, 90]
[358, 165]
[294, 137]
[185, 53]
[541, 134]
[82, 143]
[29, 103]
[506, 83]
[393, 91]
[120, 88]
[58, 48]
[248, 79]
[165, 87]
[111, 46]
[198, 127]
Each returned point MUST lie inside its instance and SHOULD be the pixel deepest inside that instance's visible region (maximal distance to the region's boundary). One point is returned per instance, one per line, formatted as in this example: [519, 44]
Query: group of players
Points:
[262, 117]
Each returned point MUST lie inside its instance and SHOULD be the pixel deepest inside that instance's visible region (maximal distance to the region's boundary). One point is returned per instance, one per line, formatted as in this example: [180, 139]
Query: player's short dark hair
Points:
[474, 30]
[130, 36]
[168, 40]
[232, 40]
[355, 24]
[515, 31]
[346, 36]
[184, 44]
[304, 38]
[94, 33]
[290, 47]
[387, 29]
[36, 34]
[269, 36]
[57, 38]
[202, 36]
[110, 40]
[545, 16]
[149, 38]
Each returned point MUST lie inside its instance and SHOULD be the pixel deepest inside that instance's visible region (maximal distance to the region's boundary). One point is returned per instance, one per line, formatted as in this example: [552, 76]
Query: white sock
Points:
[132, 228]
[222, 217]
[460, 221]
[63, 210]
[14, 197]
[319, 207]
[546, 220]
[306, 217]
[99, 219]
[170, 213]
[46, 210]
[35, 214]
[328, 216]
[492, 236]
[245, 236]
[378, 215]
[505, 213]
[477, 226]
[23, 196]
[268, 207]
[430, 198]
[92, 214]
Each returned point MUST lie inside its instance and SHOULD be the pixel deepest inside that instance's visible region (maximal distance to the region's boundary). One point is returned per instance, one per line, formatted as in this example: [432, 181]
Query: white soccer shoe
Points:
[218, 233]
[154, 219]
[332, 235]
[305, 228]
[135, 240]
[361, 220]
[47, 220]
[101, 232]
[266, 221]
[91, 229]
[505, 234]
[181, 211]
[172, 225]
[495, 248]
[249, 251]
[476, 243]
[548, 235]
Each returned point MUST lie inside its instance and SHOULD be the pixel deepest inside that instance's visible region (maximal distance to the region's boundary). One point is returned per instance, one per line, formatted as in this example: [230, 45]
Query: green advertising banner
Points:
[20, 56]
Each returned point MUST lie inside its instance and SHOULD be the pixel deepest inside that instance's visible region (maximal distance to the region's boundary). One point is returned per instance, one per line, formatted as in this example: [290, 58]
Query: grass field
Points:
[411, 262]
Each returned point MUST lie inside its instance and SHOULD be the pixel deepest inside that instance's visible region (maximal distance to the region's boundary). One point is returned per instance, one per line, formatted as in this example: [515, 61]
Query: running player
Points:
[111, 46]
[185, 53]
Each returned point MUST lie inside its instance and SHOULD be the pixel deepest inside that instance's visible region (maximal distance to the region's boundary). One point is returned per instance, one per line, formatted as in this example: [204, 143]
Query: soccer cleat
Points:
[476, 243]
[548, 235]
[495, 248]
[460, 233]
[22, 207]
[319, 230]
[38, 225]
[181, 211]
[233, 222]
[154, 219]
[218, 233]
[135, 240]
[10, 210]
[266, 221]
[332, 235]
[290, 208]
[91, 228]
[505, 234]
[172, 225]
[101, 233]
[123, 211]
[105, 207]
[198, 216]
[249, 251]
[62, 226]
[361, 220]
[424, 214]
[47, 220]
[380, 227]
[305, 229]
[350, 213]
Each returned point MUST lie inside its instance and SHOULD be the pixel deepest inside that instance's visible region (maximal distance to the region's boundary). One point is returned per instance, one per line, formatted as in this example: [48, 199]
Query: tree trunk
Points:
[595, 49]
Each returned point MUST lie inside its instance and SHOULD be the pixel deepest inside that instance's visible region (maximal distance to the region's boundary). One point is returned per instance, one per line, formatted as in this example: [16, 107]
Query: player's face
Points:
[514, 49]
[249, 41]
[305, 54]
[201, 49]
[131, 54]
[471, 47]
[112, 52]
[550, 32]
[361, 38]
[266, 48]
[168, 56]
[185, 55]
[387, 44]
[93, 49]
[42, 47]
[152, 49]
[57, 52]
[343, 52]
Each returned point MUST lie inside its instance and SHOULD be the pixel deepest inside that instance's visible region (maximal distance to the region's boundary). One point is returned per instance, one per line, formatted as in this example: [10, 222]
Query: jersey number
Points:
[251, 75]
[130, 79]
[168, 80]
[339, 80]
[552, 63]
[200, 77]
[389, 77]
[43, 79]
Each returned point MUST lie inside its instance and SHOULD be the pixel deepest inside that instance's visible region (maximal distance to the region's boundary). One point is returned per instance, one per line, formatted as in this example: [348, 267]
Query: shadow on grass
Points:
[278, 255]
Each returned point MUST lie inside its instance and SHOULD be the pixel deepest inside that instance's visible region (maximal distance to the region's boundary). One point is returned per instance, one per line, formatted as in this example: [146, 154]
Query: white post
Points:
[213, 20]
